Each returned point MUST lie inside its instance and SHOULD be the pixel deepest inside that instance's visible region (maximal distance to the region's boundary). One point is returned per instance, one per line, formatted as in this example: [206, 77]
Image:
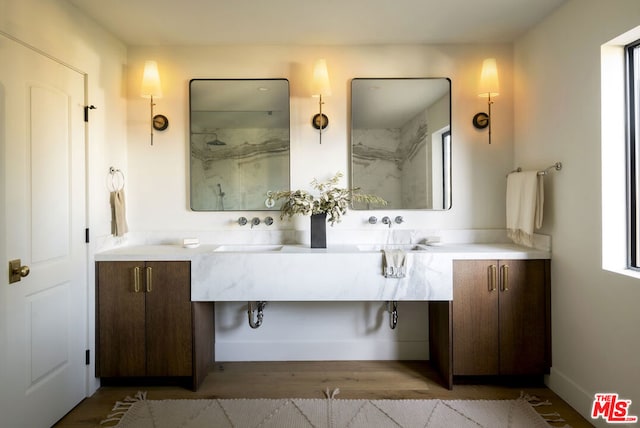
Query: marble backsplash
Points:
[334, 237]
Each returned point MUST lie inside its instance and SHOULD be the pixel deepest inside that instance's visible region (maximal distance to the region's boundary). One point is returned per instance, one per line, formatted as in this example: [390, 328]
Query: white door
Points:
[43, 317]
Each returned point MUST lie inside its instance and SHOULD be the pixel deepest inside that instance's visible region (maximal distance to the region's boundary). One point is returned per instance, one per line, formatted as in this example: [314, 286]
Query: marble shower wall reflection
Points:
[400, 142]
[239, 143]
[237, 175]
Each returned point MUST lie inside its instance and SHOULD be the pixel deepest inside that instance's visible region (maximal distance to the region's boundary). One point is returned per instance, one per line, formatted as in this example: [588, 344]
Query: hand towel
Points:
[395, 264]
[525, 202]
[118, 215]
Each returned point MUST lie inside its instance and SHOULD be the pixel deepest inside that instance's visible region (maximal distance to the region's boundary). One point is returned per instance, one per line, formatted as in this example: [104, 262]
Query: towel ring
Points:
[116, 181]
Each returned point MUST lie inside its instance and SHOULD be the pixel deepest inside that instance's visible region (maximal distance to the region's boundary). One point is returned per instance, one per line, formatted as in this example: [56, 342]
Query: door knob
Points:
[17, 271]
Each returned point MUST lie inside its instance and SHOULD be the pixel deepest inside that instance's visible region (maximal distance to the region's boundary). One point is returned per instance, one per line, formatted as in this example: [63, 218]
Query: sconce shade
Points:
[489, 85]
[320, 84]
[151, 81]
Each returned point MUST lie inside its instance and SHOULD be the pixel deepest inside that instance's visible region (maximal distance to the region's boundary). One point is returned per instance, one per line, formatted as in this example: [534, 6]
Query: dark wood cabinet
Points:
[146, 324]
[501, 317]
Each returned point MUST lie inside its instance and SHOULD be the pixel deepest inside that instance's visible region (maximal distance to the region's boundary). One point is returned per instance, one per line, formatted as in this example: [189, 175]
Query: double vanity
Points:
[489, 304]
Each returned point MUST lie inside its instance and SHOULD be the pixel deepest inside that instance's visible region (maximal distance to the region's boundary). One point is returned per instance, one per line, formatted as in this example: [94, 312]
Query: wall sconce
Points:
[320, 86]
[489, 87]
[151, 88]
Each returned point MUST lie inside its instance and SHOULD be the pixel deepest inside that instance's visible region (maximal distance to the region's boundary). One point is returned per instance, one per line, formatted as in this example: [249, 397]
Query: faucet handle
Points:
[242, 221]
[399, 219]
[268, 220]
[373, 219]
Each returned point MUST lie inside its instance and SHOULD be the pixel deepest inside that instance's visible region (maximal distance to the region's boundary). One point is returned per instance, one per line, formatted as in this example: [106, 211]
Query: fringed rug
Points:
[138, 412]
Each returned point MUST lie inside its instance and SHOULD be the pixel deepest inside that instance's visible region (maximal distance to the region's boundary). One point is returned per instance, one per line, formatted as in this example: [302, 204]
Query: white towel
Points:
[525, 202]
[118, 213]
[395, 264]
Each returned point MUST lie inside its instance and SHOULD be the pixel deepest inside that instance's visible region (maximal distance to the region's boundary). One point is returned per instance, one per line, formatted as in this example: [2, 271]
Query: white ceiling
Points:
[303, 22]
[391, 103]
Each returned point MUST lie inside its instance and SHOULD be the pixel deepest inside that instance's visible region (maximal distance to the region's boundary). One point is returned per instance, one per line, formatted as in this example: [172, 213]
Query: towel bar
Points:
[557, 166]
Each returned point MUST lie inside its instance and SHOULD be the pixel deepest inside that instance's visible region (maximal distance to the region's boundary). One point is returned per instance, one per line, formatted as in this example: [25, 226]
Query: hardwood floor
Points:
[355, 379]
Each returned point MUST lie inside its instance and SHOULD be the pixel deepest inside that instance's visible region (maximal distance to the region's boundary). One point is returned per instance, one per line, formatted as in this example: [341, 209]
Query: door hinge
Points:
[87, 357]
[86, 112]
[86, 235]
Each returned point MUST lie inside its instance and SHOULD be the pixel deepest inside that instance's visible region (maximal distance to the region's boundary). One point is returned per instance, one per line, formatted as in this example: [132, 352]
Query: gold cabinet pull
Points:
[136, 279]
[493, 274]
[505, 277]
[149, 279]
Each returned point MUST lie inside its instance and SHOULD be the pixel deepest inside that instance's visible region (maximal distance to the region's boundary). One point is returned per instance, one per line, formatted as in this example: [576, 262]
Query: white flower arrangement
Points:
[331, 200]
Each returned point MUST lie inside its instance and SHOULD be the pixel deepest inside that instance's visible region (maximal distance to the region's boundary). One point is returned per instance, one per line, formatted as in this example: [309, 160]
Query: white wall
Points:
[60, 31]
[558, 118]
[157, 178]
[478, 170]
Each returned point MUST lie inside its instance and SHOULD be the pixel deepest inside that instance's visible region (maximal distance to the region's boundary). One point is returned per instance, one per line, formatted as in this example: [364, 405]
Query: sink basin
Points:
[404, 247]
[297, 273]
[248, 248]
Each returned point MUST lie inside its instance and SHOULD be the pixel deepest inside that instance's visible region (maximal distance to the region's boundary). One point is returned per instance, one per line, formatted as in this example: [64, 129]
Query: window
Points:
[620, 157]
[446, 171]
[633, 151]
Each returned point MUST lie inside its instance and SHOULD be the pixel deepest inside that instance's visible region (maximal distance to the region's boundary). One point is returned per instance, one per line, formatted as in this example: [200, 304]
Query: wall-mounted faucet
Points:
[387, 220]
[255, 221]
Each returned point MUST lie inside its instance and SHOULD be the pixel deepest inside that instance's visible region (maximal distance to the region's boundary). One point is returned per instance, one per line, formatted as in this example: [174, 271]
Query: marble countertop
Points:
[299, 273]
[455, 251]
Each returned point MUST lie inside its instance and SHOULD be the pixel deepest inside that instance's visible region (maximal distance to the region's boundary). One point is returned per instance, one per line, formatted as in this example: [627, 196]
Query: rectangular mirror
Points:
[239, 133]
[401, 141]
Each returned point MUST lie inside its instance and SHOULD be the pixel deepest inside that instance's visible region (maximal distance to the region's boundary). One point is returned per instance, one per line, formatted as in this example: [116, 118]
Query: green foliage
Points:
[331, 200]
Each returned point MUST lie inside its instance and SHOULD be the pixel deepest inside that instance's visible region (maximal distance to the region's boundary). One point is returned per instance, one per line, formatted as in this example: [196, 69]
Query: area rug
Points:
[138, 412]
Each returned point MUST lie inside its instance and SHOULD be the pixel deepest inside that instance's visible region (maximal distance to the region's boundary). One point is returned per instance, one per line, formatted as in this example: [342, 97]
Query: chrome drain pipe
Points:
[392, 308]
[257, 322]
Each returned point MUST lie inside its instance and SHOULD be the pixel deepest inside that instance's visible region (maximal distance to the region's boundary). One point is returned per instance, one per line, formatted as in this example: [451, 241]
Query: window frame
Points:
[446, 171]
[632, 108]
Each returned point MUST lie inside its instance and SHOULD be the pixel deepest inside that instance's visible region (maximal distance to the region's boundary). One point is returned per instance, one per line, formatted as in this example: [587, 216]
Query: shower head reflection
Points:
[216, 142]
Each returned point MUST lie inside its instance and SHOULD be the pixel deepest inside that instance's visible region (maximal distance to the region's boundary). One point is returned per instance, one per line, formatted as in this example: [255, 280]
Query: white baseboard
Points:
[321, 351]
[576, 396]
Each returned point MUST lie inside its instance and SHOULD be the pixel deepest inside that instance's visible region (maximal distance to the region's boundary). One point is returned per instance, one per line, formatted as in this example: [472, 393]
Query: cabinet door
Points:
[168, 318]
[120, 311]
[522, 317]
[475, 317]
